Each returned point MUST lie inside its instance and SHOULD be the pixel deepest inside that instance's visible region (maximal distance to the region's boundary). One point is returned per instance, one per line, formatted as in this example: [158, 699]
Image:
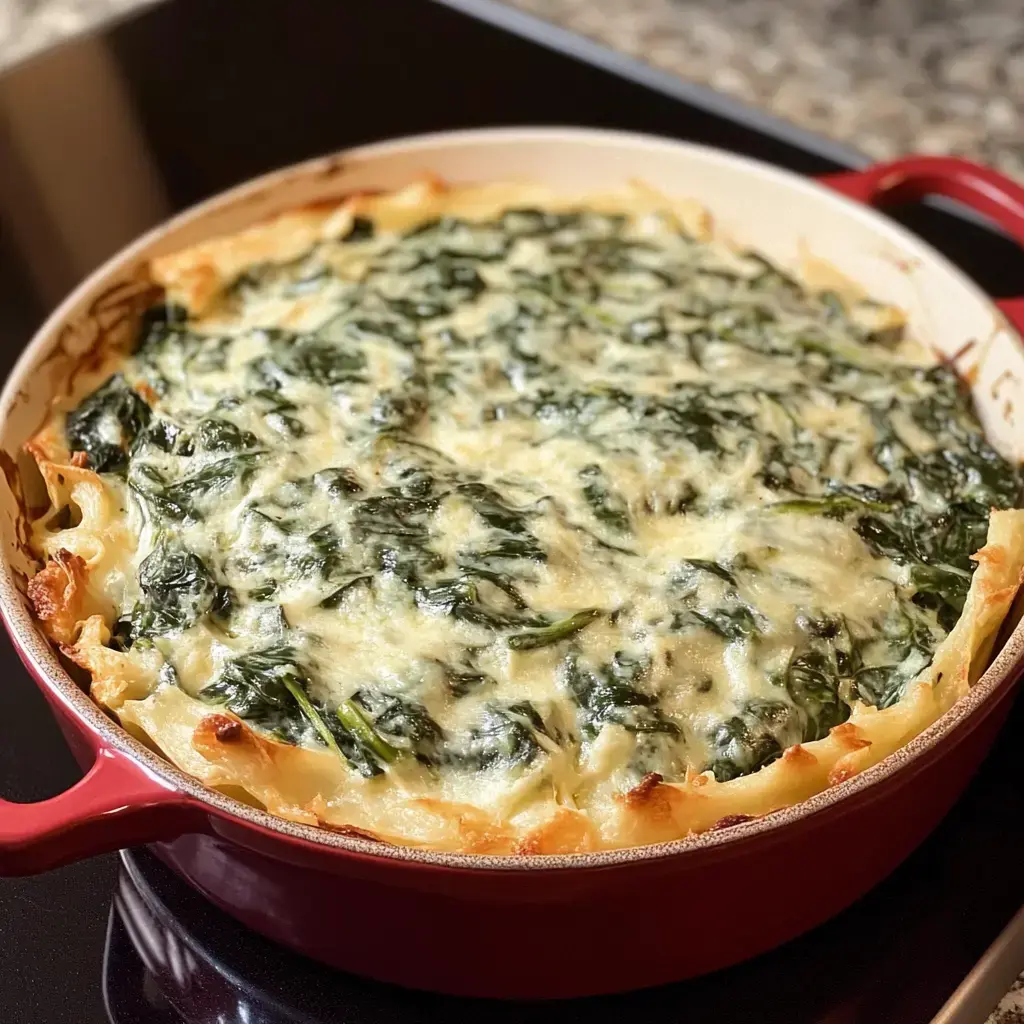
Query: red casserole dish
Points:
[499, 926]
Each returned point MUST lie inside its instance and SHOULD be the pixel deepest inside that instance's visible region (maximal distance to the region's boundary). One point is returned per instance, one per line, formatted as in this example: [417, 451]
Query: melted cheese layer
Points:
[515, 509]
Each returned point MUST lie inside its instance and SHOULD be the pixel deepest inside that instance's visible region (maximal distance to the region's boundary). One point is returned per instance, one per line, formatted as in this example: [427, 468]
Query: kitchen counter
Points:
[885, 76]
[27, 26]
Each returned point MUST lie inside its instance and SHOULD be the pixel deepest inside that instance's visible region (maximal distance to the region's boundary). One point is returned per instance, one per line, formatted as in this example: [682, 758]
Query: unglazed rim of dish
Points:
[42, 661]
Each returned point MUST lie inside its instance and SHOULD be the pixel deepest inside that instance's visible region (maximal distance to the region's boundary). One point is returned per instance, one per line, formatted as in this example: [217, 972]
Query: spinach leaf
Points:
[505, 736]
[277, 411]
[938, 550]
[178, 587]
[691, 566]
[320, 554]
[463, 679]
[215, 477]
[489, 506]
[338, 481]
[527, 223]
[708, 605]
[500, 580]
[309, 357]
[270, 688]
[407, 562]
[326, 364]
[220, 435]
[645, 331]
[182, 500]
[553, 633]
[165, 338]
[834, 506]
[460, 598]
[910, 642]
[608, 507]
[335, 598]
[252, 685]
[754, 737]
[762, 729]
[884, 685]
[732, 620]
[106, 423]
[942, 588]
[394, 515]
[504, 549]
[812, 682]
[164, 436]
[402, 724]
[396, 529]
[362, 228]
[159, 325]
[387, 328]
[400, 408]
[358, 726]
[881, 685]
[610, 694]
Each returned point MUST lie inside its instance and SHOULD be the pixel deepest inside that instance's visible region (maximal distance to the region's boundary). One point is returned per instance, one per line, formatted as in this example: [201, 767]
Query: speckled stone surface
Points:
[1011, 1008]
[886, 76]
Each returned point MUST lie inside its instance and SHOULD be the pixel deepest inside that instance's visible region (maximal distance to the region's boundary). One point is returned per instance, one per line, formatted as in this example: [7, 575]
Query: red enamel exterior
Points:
[512, 927]
[514, 931]
[913, 178]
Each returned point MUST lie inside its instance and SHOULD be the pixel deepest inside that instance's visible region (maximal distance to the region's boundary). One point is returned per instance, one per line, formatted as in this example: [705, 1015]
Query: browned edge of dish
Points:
[92, 308]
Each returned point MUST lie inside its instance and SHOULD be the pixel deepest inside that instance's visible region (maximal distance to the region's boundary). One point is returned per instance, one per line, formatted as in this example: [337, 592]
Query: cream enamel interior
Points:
[918, 283]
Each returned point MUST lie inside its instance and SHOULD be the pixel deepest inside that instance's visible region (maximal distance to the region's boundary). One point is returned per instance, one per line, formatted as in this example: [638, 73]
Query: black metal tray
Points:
[990, 980]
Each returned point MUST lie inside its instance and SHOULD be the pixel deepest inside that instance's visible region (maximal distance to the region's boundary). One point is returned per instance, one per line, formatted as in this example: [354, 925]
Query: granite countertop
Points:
[27, 26]
[884, 76]
[1011, 1008]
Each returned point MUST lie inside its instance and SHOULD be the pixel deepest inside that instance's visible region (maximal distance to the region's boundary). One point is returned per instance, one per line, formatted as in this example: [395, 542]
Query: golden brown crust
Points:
[197, 276]
[115, 677]
[56, 593]
[730, 820]
[567, 831]
[641, 794]
[47, 445]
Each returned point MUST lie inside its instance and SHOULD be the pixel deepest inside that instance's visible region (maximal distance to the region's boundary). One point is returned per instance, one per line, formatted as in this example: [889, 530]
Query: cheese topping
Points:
[529, 506]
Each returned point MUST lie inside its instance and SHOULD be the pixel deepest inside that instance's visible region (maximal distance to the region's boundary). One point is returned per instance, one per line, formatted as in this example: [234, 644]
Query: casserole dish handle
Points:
[912, 178]
[118, 803]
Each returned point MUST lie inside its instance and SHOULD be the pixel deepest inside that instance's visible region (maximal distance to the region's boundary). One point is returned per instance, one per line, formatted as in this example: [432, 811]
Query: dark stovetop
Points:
[108, 135]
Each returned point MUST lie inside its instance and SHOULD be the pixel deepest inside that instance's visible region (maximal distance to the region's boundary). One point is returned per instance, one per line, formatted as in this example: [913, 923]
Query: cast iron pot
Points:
[535, 926]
